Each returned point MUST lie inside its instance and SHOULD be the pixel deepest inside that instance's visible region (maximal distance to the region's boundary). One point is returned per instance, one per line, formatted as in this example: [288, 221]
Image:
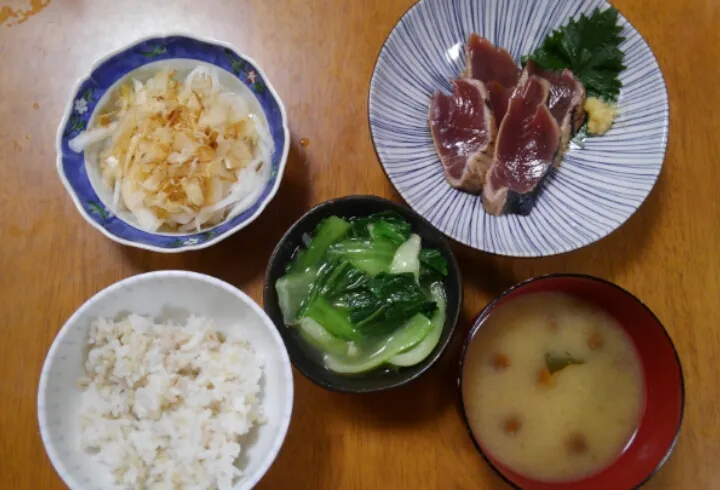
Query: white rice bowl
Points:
[168, 296]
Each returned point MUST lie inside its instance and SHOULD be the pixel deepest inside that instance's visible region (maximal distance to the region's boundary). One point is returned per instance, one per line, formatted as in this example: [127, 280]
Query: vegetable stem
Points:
[328, 232]
[331, 319]
[404, 338]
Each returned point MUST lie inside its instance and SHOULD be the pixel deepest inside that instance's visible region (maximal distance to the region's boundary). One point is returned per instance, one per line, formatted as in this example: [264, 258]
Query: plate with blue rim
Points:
[597, 187]
[142, 58]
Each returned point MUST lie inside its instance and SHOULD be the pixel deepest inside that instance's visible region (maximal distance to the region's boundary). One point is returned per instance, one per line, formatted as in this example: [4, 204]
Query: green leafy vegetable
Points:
[371, 304]
[329, 231]
[589, 47]
[364, 290]
[557, 363]
[387, 225]
[393, 298]
[317, 336]
[332, 319]
[427, 345]
[368, 255]
[432, 262]
[395, 233]
[335, 276]
[406, 337]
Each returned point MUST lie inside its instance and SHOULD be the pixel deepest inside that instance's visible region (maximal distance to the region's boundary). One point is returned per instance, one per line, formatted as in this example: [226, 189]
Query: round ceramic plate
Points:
[143, 58]
[596, 189]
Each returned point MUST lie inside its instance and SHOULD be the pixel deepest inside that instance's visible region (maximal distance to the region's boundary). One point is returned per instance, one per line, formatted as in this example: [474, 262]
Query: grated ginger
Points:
[601, 115]
[182, 156]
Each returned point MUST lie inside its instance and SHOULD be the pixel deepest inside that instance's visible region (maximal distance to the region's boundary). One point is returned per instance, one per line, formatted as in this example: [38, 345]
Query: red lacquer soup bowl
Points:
[664, 390]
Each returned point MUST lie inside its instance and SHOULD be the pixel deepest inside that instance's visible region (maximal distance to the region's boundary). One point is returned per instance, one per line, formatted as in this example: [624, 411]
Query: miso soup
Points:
[552, 387]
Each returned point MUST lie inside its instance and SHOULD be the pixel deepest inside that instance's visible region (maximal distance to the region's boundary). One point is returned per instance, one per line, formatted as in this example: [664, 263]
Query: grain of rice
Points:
[166, 406]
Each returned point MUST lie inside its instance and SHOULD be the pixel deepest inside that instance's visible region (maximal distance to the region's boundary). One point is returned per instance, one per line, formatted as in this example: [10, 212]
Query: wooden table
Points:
[319, 55]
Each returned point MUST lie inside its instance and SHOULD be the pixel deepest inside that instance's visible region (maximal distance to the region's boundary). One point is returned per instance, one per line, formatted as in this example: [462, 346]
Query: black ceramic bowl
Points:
[301, 354]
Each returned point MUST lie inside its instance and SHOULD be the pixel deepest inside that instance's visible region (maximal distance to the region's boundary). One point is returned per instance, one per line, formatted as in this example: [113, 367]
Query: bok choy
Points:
[365, 293]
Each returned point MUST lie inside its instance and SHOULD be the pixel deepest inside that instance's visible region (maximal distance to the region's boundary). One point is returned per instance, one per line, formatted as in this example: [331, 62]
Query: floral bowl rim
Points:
[193, 243]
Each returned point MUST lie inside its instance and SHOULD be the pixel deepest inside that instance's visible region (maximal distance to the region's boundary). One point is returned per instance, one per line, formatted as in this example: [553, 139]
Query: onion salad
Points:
[180, 155]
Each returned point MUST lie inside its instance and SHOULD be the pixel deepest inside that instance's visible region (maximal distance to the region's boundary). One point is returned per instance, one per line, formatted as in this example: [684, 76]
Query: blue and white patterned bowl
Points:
[176, 51]
[597, 187]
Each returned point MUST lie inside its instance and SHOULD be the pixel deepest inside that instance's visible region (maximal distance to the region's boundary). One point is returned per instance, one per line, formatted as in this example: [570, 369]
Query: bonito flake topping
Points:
[181, 156]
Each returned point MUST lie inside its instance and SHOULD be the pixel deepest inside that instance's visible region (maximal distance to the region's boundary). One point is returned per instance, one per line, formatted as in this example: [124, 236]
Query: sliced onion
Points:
[87, 138]
[183, 156]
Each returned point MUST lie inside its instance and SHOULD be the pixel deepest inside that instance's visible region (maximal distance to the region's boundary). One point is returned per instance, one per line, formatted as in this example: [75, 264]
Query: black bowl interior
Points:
[302, 356]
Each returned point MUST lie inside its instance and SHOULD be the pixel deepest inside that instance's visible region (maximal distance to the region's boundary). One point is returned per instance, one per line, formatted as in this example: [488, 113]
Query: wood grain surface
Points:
[319, 55]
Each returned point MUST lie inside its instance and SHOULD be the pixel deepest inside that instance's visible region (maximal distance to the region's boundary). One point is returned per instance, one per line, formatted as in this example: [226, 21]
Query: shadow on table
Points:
[311, 456]
[414, 403]
[242, 257]
[609, 257]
